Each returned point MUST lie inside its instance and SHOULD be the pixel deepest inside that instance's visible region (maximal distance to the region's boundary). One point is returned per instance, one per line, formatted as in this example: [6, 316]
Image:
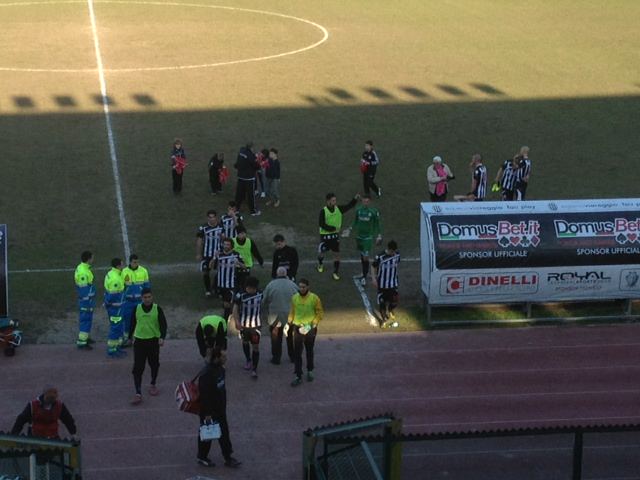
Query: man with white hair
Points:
[276, 302]
[438, 174]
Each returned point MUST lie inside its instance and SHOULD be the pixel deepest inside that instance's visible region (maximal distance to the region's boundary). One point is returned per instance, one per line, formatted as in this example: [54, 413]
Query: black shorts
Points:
[205, 264]
[329, 242]
[507, 195]
[227, 294]
[251, 335]
[388, 295]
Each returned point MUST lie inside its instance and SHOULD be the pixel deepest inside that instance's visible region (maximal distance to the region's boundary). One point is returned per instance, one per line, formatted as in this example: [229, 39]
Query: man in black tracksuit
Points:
[284, 256]
[213, 407]
[247, 167]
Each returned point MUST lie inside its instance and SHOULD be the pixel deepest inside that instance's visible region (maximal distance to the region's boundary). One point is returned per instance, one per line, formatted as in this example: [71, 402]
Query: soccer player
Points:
[330, 222]
[231, 220]
[207, 246]
[227, 264]
[284, 256]
[385, 277]
[148, 329]
[246, 313]
[211, 332]
[304, 316]
[506, 178]
[478, 179]
[86, 292]
[113, 302]
[368, 166]
[523, 174]
[366, 223]
[248, 250]
[135, 278]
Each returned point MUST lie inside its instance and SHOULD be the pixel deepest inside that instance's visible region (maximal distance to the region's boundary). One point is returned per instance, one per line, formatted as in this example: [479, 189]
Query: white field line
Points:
[371, 319]
[167, 268]
[325, 37]
[110, 137]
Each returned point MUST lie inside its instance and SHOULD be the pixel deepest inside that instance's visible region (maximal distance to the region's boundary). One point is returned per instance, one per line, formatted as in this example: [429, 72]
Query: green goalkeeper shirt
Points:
[366, 223]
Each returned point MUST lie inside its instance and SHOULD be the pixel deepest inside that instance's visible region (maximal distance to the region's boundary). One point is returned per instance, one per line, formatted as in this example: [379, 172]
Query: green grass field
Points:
[420, 78]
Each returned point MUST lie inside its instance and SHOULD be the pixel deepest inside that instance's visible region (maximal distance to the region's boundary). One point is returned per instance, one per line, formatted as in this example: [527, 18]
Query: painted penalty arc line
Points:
[325, 37]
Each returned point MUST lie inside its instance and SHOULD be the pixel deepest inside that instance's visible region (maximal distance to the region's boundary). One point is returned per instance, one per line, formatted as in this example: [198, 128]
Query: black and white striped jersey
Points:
[211, 236]
[249, 305]
[524, 170]
[480, 176]
[509, 176]
[387, 269]
[229, 226]
[227, 263]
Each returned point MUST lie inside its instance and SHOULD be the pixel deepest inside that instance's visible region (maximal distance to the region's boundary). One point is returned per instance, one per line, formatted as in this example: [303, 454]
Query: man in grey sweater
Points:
[276, 301]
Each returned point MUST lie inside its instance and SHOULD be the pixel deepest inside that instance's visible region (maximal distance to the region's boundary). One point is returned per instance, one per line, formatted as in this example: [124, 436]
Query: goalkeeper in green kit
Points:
[367, 227]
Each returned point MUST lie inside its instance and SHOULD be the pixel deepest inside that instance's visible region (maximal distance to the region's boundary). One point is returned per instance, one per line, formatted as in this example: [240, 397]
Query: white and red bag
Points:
[188, 396]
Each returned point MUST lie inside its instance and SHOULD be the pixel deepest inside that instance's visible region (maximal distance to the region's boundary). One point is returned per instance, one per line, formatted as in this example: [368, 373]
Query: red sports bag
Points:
[188, 396]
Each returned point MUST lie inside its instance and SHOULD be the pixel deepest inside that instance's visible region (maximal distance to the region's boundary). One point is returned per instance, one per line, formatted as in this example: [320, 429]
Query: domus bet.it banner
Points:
[484, 252]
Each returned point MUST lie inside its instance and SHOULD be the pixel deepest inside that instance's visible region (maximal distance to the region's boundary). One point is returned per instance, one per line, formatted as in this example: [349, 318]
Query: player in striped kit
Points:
[478, 179]
[207, 247]
[524, 173]
[506, 178]
[384, 276]
[246, 313]
[227, 263]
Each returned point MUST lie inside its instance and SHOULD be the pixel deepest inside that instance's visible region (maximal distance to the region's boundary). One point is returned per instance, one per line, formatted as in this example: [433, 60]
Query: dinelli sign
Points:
[530, 251]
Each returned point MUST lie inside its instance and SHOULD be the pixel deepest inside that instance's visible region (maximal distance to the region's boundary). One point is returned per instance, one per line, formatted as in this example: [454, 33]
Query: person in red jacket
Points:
[43, 414]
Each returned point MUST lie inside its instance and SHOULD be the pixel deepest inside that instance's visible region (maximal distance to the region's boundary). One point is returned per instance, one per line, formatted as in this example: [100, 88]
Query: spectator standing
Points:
[247, 316]
[262, 158]
[113, 303]
[284, 256]
[135, 278]
[86, 292]
[246, 167]
[478, 178]
[304, 316]
[369, 167]
[208, 240]
[213, 408]
[43, 414]
[438, 175]
[524, 174]
[148, 330]
[273, 178]
[330, 223]
[215, 167]
[385, 277]
[178, 164]
[276, 304]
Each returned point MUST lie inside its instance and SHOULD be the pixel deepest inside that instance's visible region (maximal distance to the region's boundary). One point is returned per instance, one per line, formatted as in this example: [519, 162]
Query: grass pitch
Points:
[420, 79]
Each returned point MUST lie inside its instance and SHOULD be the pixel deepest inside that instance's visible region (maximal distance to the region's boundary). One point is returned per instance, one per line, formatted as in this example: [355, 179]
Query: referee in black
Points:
[384, 275]
[284, 256]
[246, 313]
[207, 247]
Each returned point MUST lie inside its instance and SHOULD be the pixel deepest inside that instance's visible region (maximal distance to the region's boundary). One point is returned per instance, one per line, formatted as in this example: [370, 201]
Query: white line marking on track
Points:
[325, 37]
[569, 421]
[110, 136]
[371, 318]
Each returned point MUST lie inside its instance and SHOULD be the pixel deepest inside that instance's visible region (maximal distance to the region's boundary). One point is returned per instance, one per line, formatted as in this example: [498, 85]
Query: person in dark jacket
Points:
[43, 414]
[215, 165]
[246, 167]
[213, 407]
[178, 164]
[273, 178]
[284, 256]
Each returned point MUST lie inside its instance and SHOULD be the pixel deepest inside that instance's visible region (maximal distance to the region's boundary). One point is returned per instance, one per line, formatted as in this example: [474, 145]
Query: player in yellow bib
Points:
[330, 223]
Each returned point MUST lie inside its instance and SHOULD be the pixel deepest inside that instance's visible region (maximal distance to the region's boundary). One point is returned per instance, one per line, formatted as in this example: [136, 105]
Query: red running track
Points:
[435, 381]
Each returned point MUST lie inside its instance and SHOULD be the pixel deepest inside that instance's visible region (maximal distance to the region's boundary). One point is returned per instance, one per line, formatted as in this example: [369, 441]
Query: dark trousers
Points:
[303, 341]
[245, 190]
[438, 198]
[177, 181]
[145, 351]
[276, 343]
[225, 440]
[521, 190]
[214, 181]
[369, 184]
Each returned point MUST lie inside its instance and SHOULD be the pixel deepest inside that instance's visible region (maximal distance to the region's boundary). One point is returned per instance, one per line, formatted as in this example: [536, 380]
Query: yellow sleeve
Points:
[319, 312]
[292, 311]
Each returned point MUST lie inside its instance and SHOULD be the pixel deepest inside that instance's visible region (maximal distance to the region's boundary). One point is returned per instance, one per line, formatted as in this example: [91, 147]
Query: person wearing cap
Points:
[276, 302]
[43, 413]
[438, 174]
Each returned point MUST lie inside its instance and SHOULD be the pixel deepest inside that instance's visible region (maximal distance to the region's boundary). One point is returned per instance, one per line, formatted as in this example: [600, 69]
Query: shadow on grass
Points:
[63, 180]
